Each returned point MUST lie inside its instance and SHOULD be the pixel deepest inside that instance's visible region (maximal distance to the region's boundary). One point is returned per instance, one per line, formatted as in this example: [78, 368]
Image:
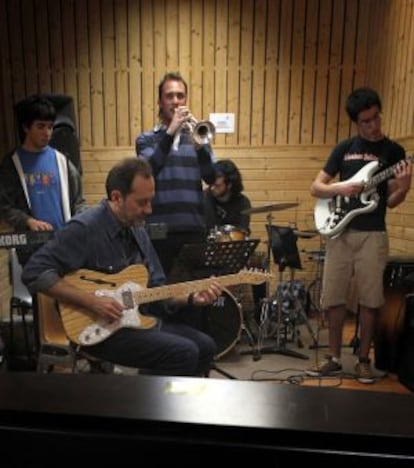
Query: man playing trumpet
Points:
[179, 151]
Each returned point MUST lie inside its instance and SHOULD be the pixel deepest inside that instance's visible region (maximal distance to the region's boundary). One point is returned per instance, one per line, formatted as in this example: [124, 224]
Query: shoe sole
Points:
[320, 374]
[365, 380]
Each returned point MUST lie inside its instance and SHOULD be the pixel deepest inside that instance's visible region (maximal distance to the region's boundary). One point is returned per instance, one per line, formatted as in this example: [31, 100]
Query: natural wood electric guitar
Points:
[86, 328]
[333, 214]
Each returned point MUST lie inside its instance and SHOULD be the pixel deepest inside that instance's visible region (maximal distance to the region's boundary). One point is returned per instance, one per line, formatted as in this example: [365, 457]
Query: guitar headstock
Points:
[254, 276]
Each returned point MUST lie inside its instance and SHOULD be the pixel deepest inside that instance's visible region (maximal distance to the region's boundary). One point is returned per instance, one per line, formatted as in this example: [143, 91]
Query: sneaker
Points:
[329, 366]
[363, 371]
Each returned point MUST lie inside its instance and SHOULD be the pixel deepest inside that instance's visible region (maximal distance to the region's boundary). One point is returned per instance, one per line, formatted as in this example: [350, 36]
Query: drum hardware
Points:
[269, 208]
[315, 286]
[282, 244]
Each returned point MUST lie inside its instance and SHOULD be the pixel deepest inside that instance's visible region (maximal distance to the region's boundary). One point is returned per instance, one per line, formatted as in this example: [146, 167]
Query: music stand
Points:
[282, 243]
[205, 259]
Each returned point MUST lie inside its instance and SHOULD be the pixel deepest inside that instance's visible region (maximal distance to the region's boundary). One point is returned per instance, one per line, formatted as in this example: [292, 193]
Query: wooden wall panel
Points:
[309, 72]
[322, 71]
[297, 66]
[57, 68]
[271, 73]
[30, 48]
[259, 49]
[7, 127]
[97, 85]
[70, 55]
[283, 67]
[134, 63]
[347, 73]
[208, 53]
[390, 64]
[233, 86]
[333, 104]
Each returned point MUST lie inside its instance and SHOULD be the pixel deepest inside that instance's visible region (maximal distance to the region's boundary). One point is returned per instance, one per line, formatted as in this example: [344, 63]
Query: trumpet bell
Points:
[203, 132]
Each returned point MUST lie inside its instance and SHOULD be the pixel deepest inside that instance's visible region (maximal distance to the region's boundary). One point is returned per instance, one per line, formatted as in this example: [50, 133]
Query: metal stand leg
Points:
[222, 372]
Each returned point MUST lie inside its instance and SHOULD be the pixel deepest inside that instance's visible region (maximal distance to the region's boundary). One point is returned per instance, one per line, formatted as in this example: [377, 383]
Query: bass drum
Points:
[222, 320]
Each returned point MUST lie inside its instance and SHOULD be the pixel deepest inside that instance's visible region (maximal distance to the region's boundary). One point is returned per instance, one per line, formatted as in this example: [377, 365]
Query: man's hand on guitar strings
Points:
[208, 296]
[107, 307]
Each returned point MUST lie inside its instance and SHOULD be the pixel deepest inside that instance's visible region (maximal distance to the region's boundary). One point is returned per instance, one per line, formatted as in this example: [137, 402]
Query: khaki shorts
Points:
[358, 255]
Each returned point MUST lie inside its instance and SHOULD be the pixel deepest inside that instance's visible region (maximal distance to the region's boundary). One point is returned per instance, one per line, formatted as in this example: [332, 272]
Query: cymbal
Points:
[269, 208]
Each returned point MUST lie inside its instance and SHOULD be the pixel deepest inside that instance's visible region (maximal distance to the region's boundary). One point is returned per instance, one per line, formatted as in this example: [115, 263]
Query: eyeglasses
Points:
[374, 119]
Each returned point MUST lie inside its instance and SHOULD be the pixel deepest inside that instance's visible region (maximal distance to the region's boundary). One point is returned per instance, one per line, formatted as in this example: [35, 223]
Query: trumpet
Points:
[202, 131]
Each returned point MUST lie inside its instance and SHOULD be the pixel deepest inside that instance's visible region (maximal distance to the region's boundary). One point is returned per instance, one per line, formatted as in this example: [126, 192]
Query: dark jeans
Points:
[174, 349]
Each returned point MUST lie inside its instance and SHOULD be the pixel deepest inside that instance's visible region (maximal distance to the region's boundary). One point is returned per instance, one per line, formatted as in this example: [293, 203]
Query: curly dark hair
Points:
[227, 169]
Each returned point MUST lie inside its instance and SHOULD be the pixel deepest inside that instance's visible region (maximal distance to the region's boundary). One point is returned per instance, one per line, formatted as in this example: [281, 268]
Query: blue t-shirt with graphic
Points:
[43, 184]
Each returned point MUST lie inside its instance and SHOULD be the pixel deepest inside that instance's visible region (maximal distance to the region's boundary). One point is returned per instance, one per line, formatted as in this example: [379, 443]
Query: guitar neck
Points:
[384, 175]
[160, 293]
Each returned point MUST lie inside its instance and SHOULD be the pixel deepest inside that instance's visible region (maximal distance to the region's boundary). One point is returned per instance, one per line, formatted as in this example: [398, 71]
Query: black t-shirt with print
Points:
[349, 157]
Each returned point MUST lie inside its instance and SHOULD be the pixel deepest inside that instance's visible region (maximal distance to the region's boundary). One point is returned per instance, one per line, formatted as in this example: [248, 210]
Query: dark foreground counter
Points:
[56, 419]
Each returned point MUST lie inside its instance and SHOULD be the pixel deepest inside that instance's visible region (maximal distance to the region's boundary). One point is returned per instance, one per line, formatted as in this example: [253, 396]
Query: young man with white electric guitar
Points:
[94, 267]
[373, 175]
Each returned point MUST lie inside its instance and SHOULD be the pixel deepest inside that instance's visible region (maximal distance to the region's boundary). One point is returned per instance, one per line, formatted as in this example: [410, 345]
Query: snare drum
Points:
[227, 233]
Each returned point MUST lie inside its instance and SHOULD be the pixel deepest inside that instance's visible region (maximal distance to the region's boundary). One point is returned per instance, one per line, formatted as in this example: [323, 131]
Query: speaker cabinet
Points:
[64, 137]
[405, 359]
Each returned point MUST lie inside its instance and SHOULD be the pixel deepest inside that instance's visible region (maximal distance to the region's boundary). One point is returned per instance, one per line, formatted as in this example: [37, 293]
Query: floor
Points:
[273, 360]
[285, 352]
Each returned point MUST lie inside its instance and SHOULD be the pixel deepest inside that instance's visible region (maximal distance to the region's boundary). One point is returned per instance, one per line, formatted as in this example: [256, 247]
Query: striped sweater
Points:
[178, 174]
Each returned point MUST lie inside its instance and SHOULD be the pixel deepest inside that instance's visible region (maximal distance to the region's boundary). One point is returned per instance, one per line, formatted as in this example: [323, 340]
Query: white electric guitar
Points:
[333, 214]
[85, 328]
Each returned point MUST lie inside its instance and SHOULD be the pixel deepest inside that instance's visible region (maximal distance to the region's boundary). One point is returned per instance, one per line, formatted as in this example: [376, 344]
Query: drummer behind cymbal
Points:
[224, 200]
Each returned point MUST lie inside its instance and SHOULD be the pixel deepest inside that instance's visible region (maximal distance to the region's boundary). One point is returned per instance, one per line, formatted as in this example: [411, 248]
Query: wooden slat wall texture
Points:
[283, 67]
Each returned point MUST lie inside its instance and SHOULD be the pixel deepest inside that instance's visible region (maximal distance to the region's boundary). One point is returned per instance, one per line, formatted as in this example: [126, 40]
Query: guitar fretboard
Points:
[165, 292]
[385, 174]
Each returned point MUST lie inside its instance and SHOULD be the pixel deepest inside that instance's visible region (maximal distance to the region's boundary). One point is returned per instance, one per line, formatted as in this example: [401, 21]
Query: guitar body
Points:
[85, 328]
[333, 214]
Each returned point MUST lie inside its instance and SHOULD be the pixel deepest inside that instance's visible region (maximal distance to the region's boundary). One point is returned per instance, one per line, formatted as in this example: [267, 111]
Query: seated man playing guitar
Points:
[357, 241]
[82, 266]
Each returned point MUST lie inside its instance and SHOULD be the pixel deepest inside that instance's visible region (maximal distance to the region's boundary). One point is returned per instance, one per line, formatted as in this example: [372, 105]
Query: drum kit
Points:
[226, 318]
